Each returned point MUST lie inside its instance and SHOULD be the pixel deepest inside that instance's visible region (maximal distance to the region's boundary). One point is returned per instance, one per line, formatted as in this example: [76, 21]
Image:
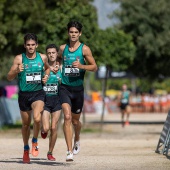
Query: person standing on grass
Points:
[76, 59]
[52, 108]
[30, 67]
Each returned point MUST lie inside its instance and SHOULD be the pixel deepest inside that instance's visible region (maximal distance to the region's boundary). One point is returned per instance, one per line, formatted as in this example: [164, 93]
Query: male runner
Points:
[30, 67]
[76, 59]
[124, 104]
[52, 108]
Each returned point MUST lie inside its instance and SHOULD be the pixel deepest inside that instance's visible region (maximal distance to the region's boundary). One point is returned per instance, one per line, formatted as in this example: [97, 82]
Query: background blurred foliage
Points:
[139, 43]
[147, 22]
[48, 19]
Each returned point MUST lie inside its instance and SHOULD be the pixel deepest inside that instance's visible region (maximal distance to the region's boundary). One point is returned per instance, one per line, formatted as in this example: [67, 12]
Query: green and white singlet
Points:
[52, 85]
[72, 76]
[125, 97]
[30, 79]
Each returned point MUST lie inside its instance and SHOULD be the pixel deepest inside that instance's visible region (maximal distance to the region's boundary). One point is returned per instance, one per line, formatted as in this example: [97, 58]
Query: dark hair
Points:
[52, 46]
[75, 24]
[30, 36]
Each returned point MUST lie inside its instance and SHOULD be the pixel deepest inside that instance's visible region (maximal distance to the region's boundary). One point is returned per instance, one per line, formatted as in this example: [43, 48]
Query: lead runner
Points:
[76, 59]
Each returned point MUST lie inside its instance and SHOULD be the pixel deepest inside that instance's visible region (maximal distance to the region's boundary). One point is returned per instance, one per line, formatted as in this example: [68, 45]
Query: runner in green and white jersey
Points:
[30, 67]
[52, 108]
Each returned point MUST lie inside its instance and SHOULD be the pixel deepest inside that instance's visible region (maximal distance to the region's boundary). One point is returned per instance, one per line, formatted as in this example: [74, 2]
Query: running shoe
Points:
[127, 123]
[26, 158]
[76, 148]
[44, 134]
[50, 157]
[69, 156]
[35, 148]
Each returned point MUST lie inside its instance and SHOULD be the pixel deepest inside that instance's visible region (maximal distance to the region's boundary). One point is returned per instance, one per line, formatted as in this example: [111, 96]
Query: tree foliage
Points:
[48, 19]
[115, 49]
[147, 22]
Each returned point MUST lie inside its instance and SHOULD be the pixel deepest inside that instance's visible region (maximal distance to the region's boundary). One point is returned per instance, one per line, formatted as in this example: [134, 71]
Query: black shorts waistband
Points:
[73, 88]
[26, 92]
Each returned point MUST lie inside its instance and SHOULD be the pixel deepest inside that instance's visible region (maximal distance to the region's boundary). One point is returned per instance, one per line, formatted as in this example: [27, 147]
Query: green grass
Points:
[89, 130]
[18, 125]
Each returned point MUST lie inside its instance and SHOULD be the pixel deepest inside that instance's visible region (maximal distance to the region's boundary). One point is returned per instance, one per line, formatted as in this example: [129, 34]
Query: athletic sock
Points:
[34, 140]
[26, 147]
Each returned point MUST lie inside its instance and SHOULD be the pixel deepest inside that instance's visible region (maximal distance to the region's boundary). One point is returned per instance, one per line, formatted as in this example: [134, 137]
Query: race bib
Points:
[33, 78]
[124, 101]
[51, 89]
[71, 71]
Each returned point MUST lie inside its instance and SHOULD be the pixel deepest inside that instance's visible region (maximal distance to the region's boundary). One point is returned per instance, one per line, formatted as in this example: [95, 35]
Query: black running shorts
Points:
[25, 99]
[52, 103]
[74, 96]
[123, 106]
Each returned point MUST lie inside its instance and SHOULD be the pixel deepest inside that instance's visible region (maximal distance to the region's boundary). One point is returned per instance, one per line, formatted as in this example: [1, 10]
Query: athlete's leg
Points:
[26, 121]
[128, 111]
[67, 126]
[53, 136]
[77, 128]
[122, 117]
[122, 114]
[76, 125]
[45, 120]
[37, 107]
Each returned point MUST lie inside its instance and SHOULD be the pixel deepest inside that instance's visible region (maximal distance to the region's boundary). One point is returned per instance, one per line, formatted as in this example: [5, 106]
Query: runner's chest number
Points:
[71, 71]
[33, 78]
[51, 88]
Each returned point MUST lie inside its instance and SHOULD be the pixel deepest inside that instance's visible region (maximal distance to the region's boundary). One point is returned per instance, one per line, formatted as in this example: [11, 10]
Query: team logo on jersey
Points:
[39, 64]
[78, 58]
[78, 111]
[26, 66]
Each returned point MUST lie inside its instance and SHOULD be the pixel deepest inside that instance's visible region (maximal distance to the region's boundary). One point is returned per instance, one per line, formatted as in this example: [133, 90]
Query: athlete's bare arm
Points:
[46, 67]
[60, 52]
[91, 64]
[16, 68]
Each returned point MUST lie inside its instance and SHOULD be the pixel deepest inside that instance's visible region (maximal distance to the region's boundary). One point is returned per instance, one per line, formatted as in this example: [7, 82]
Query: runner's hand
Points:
[44, 79]
[19, 68]
[54, 69]
[77, 64]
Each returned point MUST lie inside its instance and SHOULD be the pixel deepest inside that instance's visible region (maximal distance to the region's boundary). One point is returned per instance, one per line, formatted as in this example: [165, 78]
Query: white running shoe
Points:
[76, 148]
[69, 156]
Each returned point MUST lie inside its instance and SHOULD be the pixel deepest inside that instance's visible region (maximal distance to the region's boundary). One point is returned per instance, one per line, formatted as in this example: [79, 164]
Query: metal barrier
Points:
[164, 140]
[9, 111]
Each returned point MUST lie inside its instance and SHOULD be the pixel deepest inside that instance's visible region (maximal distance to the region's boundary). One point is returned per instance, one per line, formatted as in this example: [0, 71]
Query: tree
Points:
[116, 51]
[47, 19]
[16, 19]
[60, 12]
[147, 22]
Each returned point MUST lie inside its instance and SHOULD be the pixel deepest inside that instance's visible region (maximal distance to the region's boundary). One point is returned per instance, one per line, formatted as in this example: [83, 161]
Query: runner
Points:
[52, 107]
[124, 104]
[30, 67]
[74, 57]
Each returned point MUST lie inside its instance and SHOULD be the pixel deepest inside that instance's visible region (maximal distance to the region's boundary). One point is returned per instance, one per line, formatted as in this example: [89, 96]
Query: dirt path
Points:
[117, 148]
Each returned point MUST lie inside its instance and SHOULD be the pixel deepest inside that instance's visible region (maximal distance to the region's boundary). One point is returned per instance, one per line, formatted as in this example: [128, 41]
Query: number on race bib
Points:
[51, 89]
[71, 71]
[33, 78]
